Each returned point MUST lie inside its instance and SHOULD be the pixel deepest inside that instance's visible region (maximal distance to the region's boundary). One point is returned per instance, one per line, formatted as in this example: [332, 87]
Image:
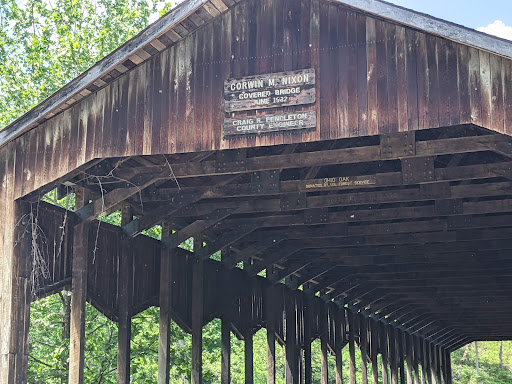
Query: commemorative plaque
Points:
[270, 123]
[270, 91]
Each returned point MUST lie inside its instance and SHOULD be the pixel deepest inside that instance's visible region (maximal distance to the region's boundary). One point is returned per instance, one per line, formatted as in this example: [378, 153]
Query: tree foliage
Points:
[46, 43]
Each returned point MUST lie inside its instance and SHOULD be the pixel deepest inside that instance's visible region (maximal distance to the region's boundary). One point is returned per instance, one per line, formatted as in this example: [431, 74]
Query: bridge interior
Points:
[398, 244]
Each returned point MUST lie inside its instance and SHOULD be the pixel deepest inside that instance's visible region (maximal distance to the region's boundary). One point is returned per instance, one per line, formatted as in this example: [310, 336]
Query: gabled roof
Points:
[190, 16]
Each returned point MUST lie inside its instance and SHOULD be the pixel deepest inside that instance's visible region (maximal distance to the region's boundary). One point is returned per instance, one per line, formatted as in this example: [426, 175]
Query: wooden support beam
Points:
[339, 342]
[427, 351]
[228, 238]
[385, 350]
[124, 291]
[225, 341]
[422, 346]
[164, 334]
[363, 336]
[448, 360]
[249, 358]
[437, 356]
[279, 254]
[197, 227]
[225, 351]
[416, 358]
[197, 315]
[91, 211]
[374, 342]
[352, 347]
[432, 364]
[292, 363]
[393, 354]
[444, 368]
[150, 219]
[308, 369]
[24, 225]
[78, 301]
[321, 158]
[324, 335]
[271, 354]
[401, 356]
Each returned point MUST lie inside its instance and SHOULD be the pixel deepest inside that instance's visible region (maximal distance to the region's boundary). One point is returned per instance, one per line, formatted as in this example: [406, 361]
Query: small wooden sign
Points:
[270, 123]
[337, 182]
[270, 91]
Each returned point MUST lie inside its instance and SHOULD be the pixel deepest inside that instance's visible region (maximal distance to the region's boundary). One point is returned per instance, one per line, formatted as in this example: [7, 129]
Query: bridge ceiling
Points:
[414, 226]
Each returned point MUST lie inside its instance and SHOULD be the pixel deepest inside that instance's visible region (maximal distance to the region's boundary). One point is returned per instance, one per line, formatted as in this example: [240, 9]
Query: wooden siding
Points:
[373, 77]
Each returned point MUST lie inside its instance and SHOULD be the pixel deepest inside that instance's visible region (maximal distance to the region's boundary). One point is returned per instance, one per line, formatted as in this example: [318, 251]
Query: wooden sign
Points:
[336, 182]
[270, 123]
[270, 91]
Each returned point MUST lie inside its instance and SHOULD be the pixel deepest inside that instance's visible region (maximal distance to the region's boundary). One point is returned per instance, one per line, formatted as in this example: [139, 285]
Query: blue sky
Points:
[470, 13]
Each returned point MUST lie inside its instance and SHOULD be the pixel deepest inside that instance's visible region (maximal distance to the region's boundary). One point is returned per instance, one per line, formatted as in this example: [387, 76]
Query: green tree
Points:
[46, 43]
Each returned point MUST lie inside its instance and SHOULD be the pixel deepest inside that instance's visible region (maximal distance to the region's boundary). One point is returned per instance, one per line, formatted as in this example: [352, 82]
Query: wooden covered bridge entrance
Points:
[350, 160]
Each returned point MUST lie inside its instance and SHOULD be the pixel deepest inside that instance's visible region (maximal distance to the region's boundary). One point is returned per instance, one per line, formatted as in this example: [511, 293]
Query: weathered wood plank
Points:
[372, 75]
[362, 75]
[225, 352]
[485, 88]
[401, 49]
[363, 337]
[411, 42]
[124, 290]
[79, 293]
[248, 359]
[323, 318]
[165, 302]
[197, 315]
[352, 350]
[326, 74]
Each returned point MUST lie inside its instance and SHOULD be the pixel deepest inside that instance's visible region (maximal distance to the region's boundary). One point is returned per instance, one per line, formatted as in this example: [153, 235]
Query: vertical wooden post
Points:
[324, 336]
[340, 335]
[448, 361]
[363, 335]
[416, 358]
[428, 362]
[271, 335]
[78, 300]
[393, 355]
[271, 355]
[423, 347]
[226, 352]
[225, 325]
[444, 372]
[351, 348]
[401, 352]
[374, 327]
[292, 374]
[308, 373]
[439, 365]
[433, 364]
[384, 342]
[22, 294]
[124, 290]
[197, 316]
[249, 362]
[409, 357]
[164, 335]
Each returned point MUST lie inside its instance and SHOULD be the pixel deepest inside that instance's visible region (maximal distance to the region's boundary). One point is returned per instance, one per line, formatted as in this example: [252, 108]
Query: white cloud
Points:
[498, 28]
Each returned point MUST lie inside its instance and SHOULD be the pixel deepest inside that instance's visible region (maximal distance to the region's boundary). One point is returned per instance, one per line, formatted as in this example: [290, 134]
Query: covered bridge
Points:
[349, 159]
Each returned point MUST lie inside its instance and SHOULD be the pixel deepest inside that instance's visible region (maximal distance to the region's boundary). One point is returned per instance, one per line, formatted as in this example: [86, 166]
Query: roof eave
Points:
[433, 25]
[108, 63]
